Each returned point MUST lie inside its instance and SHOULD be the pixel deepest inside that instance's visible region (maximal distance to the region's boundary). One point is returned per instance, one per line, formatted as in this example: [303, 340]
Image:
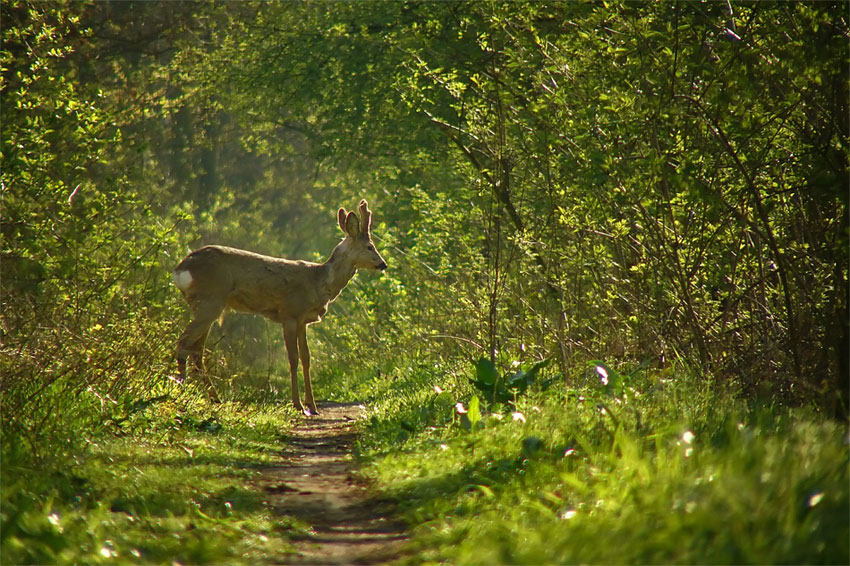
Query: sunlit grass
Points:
[663, 473]
[183, 488]
[663, 468]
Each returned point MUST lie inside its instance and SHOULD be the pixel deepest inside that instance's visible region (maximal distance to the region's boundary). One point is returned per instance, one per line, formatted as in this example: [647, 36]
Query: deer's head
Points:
[358, 238]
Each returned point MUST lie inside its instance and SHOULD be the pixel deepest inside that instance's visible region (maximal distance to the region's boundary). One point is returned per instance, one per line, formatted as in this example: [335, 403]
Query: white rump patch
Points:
[182, 279]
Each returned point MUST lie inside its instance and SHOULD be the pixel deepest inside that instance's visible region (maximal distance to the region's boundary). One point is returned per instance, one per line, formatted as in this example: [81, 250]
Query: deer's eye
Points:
[370, 247]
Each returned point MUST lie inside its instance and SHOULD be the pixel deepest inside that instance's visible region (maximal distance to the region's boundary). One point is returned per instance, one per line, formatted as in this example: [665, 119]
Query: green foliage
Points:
[557, 180]
[497, 389]
[474, 413]
[640, 193]
[86, 302]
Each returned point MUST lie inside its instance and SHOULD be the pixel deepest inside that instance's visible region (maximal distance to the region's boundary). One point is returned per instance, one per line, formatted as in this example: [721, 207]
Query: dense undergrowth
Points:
[661, 469]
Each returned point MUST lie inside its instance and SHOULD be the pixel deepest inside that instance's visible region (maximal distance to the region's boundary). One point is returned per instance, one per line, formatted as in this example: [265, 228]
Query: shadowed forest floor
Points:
[315, 483]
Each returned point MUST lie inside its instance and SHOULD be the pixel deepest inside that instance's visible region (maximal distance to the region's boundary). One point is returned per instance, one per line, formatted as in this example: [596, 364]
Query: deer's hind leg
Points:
[191, 342]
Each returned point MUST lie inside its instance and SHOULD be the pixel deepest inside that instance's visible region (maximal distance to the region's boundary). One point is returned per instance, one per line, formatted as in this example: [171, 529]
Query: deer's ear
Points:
[352, 225]
[341, 218]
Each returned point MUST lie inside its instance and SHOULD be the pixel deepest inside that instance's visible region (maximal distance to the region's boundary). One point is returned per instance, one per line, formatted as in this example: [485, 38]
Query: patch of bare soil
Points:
[316, 483]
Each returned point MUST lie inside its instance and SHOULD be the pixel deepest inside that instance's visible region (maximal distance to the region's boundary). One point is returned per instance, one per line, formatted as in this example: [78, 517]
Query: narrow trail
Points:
[315, 483]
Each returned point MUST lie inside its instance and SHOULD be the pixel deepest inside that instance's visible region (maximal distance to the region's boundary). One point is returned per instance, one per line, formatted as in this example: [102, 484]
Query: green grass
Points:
[175, 483]
[655, 467]
[664, 470]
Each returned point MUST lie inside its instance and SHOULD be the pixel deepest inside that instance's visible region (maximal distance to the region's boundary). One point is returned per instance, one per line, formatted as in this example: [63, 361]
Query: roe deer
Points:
[293, 293]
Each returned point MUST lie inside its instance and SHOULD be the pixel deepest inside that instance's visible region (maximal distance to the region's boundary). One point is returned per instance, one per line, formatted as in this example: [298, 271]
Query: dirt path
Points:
[315, 483]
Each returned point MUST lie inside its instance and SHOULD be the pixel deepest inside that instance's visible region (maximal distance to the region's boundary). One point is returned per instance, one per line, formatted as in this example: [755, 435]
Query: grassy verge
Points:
[650, 468]
[173, 483]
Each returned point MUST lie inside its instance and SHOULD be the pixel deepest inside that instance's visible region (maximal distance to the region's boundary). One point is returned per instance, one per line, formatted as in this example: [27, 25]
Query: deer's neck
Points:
[338, 272]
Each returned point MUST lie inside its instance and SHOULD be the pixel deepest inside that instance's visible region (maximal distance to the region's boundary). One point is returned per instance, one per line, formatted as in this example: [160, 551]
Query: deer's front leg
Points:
[290, 338]
[304, 352]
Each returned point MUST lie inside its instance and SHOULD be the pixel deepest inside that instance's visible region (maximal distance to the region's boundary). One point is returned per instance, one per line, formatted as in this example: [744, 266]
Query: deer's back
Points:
[275, 287]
